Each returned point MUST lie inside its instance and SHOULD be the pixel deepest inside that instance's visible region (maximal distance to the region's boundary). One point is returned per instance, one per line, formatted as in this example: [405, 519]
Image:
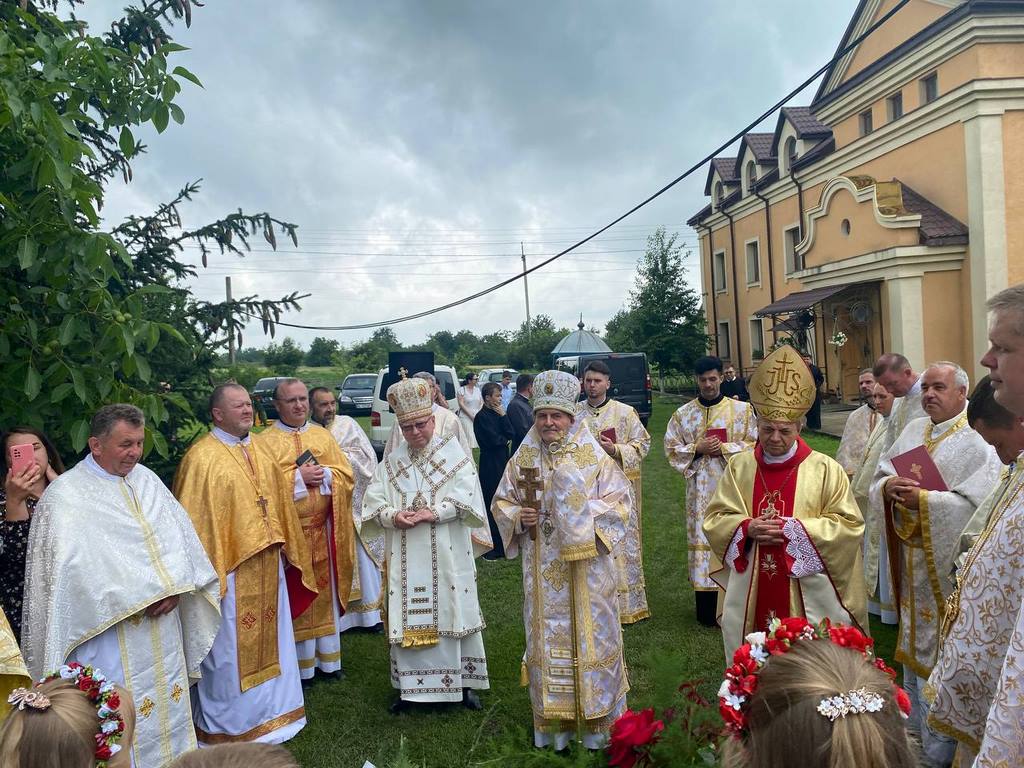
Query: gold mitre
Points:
[411, 399]
[557, 390]
[782, 387]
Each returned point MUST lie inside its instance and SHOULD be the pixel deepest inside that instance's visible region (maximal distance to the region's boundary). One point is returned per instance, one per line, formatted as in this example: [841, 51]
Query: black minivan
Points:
[631, 380]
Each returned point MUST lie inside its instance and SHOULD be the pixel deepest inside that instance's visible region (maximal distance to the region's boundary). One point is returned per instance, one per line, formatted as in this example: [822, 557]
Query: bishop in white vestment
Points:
[364, 605]
[425, 498]
[564, 504]
[117, 578]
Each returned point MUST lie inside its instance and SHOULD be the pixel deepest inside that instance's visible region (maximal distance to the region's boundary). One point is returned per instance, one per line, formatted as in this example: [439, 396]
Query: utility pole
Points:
[526, 291]
[231, 331]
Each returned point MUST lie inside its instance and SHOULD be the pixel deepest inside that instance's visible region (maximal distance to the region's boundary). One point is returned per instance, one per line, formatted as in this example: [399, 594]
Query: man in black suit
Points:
[519, 411]
[734, 386]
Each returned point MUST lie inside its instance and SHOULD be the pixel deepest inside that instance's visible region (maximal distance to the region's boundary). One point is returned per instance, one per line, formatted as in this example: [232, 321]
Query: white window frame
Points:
[791, 157]
[790, 260]
[749, 176]
[756, 241]
[724, 350]
[715, 271]
[756, 338]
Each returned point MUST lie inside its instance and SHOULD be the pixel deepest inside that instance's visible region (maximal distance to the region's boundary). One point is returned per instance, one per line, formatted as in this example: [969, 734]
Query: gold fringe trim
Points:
[419, 638]
[253, 733]
[576, 552]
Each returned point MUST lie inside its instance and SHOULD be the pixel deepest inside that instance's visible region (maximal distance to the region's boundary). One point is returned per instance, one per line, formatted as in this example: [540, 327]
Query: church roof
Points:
[580, 342]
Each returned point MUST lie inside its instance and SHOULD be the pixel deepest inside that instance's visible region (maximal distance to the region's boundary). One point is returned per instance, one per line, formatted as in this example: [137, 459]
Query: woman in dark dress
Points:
[19, 493]
[493, 432]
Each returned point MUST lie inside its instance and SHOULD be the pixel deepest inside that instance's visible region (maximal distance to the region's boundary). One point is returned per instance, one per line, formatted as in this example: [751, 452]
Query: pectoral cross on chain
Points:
[530, 487]
[768, 509]
[262, 503]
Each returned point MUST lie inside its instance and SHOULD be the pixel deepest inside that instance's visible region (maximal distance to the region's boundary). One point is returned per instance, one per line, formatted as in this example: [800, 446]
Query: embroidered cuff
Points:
[574, 552]
[448, 510]
[802, 557]
[736, 552]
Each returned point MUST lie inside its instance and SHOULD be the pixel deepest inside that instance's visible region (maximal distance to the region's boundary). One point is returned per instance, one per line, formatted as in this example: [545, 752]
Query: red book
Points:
[917, 465]
[721, 434]
[608, 434]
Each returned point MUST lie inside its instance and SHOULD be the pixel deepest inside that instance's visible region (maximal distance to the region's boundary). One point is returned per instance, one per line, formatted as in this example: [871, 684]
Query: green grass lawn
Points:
[349, 721]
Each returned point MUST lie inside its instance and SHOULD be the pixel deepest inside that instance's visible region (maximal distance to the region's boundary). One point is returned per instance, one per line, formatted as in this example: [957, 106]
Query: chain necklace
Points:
[250, 470]
[767, 505]
[419, 501]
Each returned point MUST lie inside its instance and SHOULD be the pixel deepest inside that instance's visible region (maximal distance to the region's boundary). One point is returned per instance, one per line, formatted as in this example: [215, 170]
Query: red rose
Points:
[902, 701]
[776, 647]
[881, 665]
[84, 684]
[103, 752]
[850, 637]
[114, 701]
[632, 731]
[747, 685]
[735, 720]
[795, 624]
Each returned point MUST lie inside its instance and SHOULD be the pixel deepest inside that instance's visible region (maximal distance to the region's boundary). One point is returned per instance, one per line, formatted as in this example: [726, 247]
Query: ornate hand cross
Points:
[530, 487]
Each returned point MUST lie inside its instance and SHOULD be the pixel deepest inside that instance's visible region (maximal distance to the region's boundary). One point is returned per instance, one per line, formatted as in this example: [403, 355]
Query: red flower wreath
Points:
[103, 695]
[740, 681]
[632, 734]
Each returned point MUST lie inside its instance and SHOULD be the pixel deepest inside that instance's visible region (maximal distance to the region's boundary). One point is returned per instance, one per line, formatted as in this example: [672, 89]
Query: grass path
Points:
[349, 721]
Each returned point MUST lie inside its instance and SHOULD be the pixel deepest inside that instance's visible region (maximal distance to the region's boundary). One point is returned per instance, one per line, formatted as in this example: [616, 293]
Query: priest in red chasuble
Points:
[783, 521]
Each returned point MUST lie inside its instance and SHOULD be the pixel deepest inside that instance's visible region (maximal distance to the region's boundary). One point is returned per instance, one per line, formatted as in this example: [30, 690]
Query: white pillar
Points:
[906, 319]
[986, 218]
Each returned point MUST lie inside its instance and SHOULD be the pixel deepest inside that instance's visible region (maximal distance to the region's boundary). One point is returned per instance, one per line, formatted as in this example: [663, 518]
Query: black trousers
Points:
[707, 608]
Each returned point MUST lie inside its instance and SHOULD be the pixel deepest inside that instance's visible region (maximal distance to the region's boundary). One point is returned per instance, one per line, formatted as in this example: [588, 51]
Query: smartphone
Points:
[22, 457]
[306, 457]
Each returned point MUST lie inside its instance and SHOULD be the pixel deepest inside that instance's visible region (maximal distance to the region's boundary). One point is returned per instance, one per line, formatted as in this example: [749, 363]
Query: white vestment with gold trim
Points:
[689, 424]
[364, 610]
[434, 623]
[977, 686]
[101, 550]
[854, 443]
[570, 595]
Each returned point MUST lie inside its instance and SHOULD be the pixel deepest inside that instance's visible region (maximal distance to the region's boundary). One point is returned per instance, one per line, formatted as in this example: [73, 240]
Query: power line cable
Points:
[696, 166]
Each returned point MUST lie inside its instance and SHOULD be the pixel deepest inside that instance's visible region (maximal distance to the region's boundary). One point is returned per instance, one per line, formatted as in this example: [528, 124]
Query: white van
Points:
[382, 418]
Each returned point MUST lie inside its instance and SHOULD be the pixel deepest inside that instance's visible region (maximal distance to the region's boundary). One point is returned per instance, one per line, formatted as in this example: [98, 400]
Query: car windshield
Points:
[266, 383]
[360, 382]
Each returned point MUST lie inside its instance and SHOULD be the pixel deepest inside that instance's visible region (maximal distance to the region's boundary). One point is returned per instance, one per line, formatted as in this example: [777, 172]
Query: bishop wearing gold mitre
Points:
[234, 493]
[564, 503]
[319, 481]
[783, 521]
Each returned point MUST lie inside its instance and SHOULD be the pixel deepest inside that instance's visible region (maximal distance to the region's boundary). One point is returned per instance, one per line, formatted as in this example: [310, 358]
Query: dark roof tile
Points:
[726, 167]
[805, 123]
[761, 145]
[937, 227]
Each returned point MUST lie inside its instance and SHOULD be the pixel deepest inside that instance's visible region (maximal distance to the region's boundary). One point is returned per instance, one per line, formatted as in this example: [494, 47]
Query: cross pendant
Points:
[262, 504]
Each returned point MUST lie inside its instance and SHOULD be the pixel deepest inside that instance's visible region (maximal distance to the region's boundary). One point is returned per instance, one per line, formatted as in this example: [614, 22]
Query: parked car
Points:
[494, 374]
[263, 395]
[355, 394]
[631, 380]
[382, 418]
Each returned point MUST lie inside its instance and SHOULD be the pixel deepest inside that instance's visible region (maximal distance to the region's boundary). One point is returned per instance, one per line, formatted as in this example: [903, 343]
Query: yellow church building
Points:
[888, 210]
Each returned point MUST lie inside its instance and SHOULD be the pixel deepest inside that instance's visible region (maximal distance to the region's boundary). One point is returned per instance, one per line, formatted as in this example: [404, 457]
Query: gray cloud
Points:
[441, 134]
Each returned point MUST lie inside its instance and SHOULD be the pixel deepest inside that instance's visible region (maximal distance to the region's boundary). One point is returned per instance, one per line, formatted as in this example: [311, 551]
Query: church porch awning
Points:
[800, 300]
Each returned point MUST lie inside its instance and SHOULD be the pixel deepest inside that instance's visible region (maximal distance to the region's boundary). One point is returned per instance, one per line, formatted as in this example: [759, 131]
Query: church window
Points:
[866, 122]
[791, 153]
[718, 271]
[791, 237]
[756, 338]
[753, 263]
[894, 106]
[930, 88]
[723, 339]
[844, 227]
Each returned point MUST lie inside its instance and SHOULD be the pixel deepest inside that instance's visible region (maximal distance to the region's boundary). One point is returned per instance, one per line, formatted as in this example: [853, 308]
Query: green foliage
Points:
[531, 347]
[322, 351]
[663, 317]
[98, 316]
[284, 358]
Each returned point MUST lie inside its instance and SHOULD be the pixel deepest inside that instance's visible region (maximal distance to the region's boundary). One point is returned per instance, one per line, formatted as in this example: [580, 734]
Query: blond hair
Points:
[249, 755]
[784, 721]
[61, 736]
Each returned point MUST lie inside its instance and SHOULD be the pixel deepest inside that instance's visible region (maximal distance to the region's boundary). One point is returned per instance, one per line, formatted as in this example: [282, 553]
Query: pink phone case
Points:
[22, 456]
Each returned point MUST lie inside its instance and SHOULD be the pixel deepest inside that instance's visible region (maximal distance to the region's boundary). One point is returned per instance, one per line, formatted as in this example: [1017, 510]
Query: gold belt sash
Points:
[256, 590]
[318, 619]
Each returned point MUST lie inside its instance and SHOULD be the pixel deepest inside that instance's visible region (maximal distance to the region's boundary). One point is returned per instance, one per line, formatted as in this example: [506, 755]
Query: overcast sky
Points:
[416, 144]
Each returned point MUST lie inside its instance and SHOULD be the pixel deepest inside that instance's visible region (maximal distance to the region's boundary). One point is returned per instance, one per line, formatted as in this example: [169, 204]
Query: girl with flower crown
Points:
[74, 718]
[814, 696]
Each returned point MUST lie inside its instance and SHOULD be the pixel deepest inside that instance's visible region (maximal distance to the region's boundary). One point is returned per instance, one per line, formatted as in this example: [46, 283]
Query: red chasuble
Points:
[773, 496]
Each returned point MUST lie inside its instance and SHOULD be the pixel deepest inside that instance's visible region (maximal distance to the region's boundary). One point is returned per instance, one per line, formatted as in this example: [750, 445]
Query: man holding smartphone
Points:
[321, 480]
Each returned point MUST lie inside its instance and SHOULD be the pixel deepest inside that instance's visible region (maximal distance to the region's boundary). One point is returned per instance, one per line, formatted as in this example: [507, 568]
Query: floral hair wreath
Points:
[104, 697]
[740, 681]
